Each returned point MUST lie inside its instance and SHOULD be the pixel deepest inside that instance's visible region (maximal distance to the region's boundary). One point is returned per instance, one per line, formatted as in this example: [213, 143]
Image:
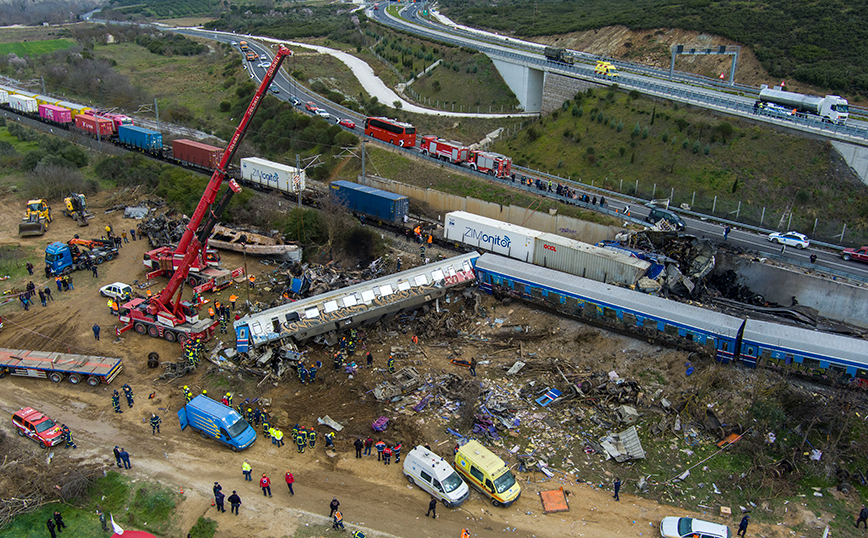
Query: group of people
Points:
[193, 350]
[26, 298]
[559, 189]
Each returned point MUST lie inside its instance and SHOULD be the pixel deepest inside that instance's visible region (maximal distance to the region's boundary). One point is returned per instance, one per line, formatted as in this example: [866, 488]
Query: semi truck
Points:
[831, 108]
[559, 55]
[64, 258]
[214, 420]
[59, 366]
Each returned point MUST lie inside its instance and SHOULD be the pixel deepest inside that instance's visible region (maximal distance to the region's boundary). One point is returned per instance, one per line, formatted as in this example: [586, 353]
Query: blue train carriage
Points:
[675, 323]
[360, 304]
[142, 139]
[823, 356]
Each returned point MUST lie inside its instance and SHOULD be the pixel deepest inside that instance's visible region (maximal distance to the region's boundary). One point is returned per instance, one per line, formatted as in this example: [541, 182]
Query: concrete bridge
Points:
[540, 88]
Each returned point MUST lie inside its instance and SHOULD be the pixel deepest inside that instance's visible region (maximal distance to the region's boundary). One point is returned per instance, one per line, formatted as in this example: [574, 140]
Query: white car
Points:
[790, 239]
[685, 527]
[263, 65]
[118, 290]
[263, 57]
[321, 112]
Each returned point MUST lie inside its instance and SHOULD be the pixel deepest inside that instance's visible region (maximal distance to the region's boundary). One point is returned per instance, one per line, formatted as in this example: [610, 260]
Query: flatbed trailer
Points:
[92, 369]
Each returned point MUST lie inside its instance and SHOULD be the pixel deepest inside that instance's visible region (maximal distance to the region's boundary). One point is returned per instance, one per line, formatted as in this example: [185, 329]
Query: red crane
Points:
[163, 315]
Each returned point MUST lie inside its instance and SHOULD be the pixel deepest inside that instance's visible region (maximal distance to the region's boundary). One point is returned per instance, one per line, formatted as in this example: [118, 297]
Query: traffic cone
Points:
[182, 491]
[213, 503]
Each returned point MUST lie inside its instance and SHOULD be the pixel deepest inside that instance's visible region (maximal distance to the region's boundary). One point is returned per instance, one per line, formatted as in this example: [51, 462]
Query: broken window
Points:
[554, 298]
[724, 345]
[670, 330]
[275, 324]
[519, 287]
[610, 313]
[590, 309]
[536, 293]
[629, 319]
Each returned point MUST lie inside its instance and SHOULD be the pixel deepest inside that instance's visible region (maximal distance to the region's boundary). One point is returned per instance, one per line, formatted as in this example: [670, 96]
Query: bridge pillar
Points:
[525, 82]
[558, 88]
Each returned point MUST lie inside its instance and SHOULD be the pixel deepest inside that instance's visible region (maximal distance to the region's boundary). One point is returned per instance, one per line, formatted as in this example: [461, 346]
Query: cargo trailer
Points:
[75, 108]
[59, 366]
[375, 203]
[483, 233]
[272, 175]
[90, 124]
[23, 104]
[587, 261]
[140, 138]
[55, 114]
[195, 153]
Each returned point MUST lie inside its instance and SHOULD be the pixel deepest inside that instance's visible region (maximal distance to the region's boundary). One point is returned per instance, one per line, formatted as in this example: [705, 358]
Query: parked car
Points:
[790, 239]
[118, 290]
[311, 106]
[656, 214]
[349, 124]
[685, 527]
[858, 254]
[31, 423]
[321, 112]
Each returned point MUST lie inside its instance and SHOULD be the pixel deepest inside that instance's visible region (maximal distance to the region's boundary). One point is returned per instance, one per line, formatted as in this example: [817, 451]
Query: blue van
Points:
[217, 421]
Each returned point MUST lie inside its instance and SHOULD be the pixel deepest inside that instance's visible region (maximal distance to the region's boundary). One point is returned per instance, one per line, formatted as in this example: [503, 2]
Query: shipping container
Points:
[74, 107]
[369, 201]
[587, 261]
[272, 175]
[196, 153]
[56, 114]
[140, 138]
[491, 235]
[4, 97]
[89, 124]
[45, 100]
[23, 104]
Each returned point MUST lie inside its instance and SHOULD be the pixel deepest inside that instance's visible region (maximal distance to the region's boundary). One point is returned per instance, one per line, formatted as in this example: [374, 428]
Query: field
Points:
[35, 48]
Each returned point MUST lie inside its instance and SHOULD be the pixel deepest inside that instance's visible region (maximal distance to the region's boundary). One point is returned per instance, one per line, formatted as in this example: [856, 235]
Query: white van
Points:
[431, 473]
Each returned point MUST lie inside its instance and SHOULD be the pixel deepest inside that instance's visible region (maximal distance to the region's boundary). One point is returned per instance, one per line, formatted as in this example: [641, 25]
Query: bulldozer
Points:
[36, 218]
[76, 207]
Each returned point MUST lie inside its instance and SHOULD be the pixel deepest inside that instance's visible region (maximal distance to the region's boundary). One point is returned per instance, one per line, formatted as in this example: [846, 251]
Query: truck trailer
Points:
[831, 108]
[272, 175]
[59, 366]
[375, 203]
[559, 55]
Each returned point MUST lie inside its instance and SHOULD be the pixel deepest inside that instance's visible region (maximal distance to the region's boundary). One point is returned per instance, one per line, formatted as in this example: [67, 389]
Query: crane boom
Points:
[191, 245]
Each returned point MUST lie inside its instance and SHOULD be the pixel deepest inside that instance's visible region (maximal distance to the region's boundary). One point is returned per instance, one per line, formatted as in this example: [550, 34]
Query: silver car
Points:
[790, 239]
[685, 527]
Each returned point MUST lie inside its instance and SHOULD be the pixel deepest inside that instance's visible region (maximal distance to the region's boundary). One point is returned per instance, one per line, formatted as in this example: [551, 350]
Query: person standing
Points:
[232, 299]
[726, 230]
[218, 500]
[116, 400]
[245, 468]
[330, 439]
[617, 485]
[234, 502]
[334, 506]
[473, 364]
[339, 520]
[96, 332]
[396, 450]
[217, 488]
[30, 268]
[863, 517]
[155, 424]
[265, 484]
[125, 457]
[311, 438]
[387, 455]
[290, 480]
[381, 446]
[117, 454]
[42, 298]
[432, 508]
[742, 527]
[50, 525]
[391, 364]
[368, 444]
[358, 444]
[94, 270]
[58, 521]
[102, 520]
[128, 392]
[47, 291]
[124, 236]
[370, 360]
[133, 233]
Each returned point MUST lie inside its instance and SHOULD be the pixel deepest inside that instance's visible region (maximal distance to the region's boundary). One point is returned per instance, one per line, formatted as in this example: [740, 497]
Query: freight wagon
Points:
[75, 108]
[272, 175]
[375, 203]
[4, 97]
[544, 249]
[90, 124]
[197, 154]
[23, 104]
[59, 366]
[55, 114]
[141, 139]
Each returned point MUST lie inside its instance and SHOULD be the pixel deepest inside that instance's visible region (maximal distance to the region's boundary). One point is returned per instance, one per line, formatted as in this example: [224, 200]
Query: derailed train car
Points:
[353, 306]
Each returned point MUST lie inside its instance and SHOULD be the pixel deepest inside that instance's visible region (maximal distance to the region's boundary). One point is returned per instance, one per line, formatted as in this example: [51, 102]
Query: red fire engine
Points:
[445, 150]
[493, 164]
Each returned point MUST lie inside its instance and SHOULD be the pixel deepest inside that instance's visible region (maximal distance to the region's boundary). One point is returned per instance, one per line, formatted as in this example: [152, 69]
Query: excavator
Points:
[76, 207]
[163, 315]
[36, 218]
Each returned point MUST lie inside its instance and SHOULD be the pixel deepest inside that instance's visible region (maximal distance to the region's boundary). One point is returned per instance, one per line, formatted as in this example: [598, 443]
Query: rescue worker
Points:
[300, 441]
[387, 455]
[67, 436]
[302, 431]
[265, 426]
[339, 360]
[257, 416]
[370, 360]
[251, 417]
[391, 364]
[311, 438]
[204, 392]
[354, 335]
[264, 414]
[343, 343]
[265, 484]
[245, 468]
[232, 299]
[155, 424]
[223, 325]
[128, 392]
[229, 397]
[465, 533]
[187, 394]
[330, 439]
[290, 480]
[339, 520]
[312, 373]
[273, 434]
[278, 437]
[116, 402]
[381, 447]
[351, 348]
[359, 534]
[396, 450]
[302, 373]
[211, 312]
[224, 400]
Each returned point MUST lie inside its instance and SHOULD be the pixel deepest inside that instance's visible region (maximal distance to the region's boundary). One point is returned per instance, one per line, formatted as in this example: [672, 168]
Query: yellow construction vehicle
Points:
[76, 207]
[605, 69]
[36, 218]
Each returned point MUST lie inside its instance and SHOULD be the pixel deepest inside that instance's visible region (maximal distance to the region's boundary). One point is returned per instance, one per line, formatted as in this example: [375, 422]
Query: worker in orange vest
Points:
[430, 239]
[465, 533]
[210, 312]
[149, 294]
[232, 299]
[252, 280]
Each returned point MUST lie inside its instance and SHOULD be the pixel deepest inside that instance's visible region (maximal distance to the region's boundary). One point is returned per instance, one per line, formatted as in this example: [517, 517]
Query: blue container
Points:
[382, 205]
[140, 138]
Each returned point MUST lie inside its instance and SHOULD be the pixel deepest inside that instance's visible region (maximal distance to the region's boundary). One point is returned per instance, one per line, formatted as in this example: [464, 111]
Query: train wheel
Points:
[140, 328]
[169, 336]
[93, 381]
[57, 377]
[75, 379]
[153, 332]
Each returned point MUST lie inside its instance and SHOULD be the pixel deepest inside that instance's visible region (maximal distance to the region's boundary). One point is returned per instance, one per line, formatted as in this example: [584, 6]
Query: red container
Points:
[56, 114]
[89, 124]
[196, 153]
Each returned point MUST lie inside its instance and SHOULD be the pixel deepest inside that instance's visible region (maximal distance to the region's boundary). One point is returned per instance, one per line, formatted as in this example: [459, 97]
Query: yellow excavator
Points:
[76, 207]
[36, 218]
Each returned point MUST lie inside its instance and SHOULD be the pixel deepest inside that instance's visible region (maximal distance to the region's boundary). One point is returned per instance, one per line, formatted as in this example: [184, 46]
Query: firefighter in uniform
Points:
[312, 372]
[351, 348]
[311, 438]
[343, 343]
[257, 416]
[294, 432]
[330, 439]
[250, 417]
[391, 365]
[278, 437]
[265, 426]
[67, 436]
[116, 402]
[187, 394]
[302, 373]
[301, 440]
[155, 424]
[222, 324]
[339, 360]
[128, 392]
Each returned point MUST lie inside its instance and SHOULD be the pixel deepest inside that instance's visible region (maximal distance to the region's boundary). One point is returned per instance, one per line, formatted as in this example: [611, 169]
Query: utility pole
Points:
[157, 113]
[298, 171]
[363, 159]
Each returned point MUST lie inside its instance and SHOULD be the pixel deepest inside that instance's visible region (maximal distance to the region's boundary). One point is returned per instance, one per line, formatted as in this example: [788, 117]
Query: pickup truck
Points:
[859, 254]
[33, 424]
